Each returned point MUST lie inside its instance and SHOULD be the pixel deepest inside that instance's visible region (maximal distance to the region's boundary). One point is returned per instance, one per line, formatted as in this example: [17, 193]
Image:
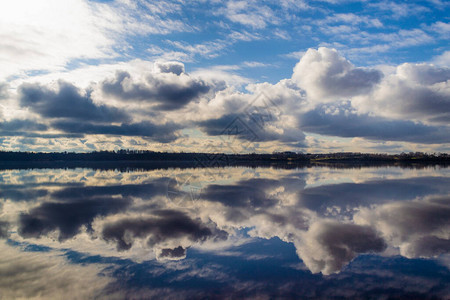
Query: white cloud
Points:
[297, 55]
[327, 76]
[442, 60]
[47, 35]
[47, 275]
[420, 228]
[416, 91]
[327, 95]
[249, 13]
[399, 10]
[243, 35]
[270, 202]
[282, 34]
[207, 49]
[406, 38]
[328, 245]
[443, 29]
[353, 19]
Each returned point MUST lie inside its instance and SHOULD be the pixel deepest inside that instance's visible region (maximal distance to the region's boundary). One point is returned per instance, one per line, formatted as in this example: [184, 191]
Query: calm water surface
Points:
[315, 232]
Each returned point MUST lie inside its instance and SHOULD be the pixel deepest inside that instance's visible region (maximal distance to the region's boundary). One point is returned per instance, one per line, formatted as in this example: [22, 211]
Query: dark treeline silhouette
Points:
[145, 155]
[129, 160]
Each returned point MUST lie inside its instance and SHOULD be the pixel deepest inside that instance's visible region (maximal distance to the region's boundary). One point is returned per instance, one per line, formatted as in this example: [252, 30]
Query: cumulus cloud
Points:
[163, 133]
[349, 196]
[266, 114]
[410, 105]
[134, 217]
[175, 253]
[19, 125]
[150, 188]
[326, 95]
[415, 91]
[75, 113]
[170, 67]
[268, 207]
[244, 128]
[325, 75]
[249, 193]
[342, 120]
[68, 216]
[165, 228]
[420, 228]
[442, 60]
[67, 102]
[170, 89]
[329, 245]
[48, 275]
[14, 193]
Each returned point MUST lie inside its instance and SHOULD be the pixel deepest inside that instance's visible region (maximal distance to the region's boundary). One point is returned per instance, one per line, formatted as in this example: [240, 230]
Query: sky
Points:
[225, 76]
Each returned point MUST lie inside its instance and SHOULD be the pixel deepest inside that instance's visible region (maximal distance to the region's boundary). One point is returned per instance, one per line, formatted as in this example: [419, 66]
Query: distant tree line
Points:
[212, 158]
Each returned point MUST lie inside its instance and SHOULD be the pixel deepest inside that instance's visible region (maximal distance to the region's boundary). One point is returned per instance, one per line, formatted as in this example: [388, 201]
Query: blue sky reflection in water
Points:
[314, 232]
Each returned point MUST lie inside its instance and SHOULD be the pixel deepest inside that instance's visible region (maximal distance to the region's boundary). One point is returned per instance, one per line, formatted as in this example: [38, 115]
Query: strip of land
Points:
[144, 159]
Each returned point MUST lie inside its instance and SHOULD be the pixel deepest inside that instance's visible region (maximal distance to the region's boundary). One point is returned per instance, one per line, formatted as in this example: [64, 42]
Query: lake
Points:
[316, 232]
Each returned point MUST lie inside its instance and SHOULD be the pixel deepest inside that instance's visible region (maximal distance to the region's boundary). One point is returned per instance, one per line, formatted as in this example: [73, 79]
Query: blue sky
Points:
[81, 75]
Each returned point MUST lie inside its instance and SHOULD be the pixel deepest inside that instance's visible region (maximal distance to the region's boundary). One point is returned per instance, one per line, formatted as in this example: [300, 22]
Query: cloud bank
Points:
[327, 95]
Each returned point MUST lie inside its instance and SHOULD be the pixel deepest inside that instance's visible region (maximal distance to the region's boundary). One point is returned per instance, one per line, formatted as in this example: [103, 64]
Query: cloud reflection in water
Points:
[249, 217]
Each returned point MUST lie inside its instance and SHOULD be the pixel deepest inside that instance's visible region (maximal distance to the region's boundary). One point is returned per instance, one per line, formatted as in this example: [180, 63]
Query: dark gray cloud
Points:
[355, 195]
[4, 228]
[329, 245]
[67, 102]
[168, 92]
[419, 217]
[67, 216]
[420, 227]
[76, 206]
[170, 67]
[18, 125]
[340, 121]
[249, 128]
[177, 252]
[256, 198]
[422, 103]
[428, 246]
[350, 82]
[250, 193]
[144, 190]
[41, 135]
[424, 73]
[21, 193]
[24, 128]
[218, 126]
[162, 133]
[164, 225]
[77, 115]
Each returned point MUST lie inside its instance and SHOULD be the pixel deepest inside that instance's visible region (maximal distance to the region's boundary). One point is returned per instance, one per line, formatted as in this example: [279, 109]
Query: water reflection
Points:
[309, 232]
